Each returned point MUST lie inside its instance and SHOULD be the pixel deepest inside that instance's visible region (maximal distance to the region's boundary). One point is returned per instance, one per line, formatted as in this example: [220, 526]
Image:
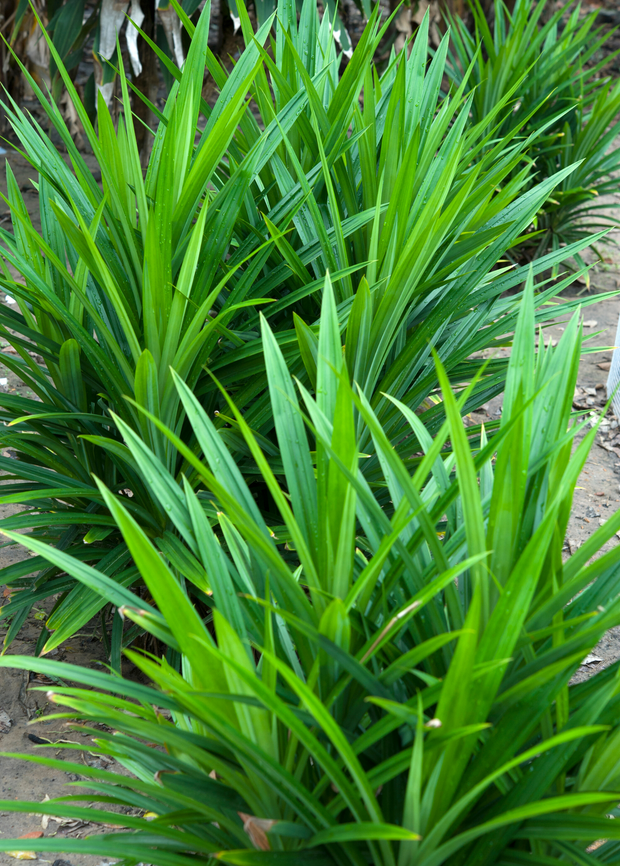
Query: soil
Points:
[596, 499]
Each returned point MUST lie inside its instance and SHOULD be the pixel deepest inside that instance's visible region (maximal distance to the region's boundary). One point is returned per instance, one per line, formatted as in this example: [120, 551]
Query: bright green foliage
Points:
[544, 68]
[364, 684]
[410, 213]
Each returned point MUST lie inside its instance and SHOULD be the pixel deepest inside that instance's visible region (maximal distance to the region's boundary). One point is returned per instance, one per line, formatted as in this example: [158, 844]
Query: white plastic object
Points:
[613, 379]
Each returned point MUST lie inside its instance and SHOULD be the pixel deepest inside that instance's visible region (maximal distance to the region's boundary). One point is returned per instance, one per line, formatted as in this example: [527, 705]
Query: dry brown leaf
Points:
[404, 28]
[172, 28]
[45, 819]
[257, 829]
[608, 447]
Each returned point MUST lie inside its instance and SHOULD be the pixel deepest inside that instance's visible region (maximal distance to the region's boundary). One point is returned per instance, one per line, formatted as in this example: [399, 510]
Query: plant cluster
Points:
[407, 203]
[369, 683]
[553, 72]
[368, 629]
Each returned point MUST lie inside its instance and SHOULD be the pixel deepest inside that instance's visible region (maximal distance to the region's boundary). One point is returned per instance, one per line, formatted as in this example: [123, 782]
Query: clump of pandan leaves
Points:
[557, 68]
[126, 279]
[364, 683]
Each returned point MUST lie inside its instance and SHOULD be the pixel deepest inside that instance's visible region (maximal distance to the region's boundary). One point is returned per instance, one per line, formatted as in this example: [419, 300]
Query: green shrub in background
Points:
[410, 213]
[364, 684]
[556, 89]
